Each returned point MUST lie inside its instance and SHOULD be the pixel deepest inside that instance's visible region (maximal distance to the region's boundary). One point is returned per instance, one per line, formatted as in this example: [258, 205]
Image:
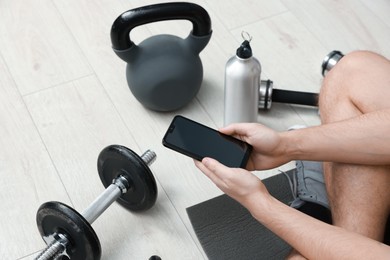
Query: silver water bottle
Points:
[242, 81]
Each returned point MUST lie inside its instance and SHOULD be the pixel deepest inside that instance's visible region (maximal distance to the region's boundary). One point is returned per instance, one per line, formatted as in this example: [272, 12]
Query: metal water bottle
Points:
[242, 81]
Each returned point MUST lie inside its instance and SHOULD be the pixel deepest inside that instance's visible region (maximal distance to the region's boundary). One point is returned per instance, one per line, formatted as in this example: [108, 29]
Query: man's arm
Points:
[361, 140]
[312, 238]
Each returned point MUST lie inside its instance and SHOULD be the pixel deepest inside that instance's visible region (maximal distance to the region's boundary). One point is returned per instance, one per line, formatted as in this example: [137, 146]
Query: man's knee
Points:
[335, 94]
[352, 65]
[358, 83]
[354, 62]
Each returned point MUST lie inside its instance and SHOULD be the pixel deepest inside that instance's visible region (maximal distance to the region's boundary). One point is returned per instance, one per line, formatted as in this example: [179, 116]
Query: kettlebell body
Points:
[164, 72]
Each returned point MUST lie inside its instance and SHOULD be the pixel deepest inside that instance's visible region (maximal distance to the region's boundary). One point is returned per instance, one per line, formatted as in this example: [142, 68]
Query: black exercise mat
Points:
[226, 230]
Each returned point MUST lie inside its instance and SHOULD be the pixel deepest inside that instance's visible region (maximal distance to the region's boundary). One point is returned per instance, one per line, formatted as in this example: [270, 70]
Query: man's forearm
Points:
[361, 140]
[312, 238]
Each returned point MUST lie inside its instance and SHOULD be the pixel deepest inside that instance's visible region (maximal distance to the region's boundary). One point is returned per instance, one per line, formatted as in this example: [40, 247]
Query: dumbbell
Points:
[267, 94]
[128, 180]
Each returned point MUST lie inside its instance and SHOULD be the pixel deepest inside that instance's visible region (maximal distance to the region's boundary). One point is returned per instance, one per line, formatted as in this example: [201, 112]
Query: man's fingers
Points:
[214, 166]
[232, 129]
[209, 173]
[241, 130]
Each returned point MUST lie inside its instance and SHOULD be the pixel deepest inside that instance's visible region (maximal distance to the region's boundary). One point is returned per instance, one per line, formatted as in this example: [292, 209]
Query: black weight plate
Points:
[117, 160]
[57, 217]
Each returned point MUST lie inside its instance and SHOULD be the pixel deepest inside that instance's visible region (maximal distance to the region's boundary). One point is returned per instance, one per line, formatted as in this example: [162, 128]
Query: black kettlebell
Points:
[164, 72]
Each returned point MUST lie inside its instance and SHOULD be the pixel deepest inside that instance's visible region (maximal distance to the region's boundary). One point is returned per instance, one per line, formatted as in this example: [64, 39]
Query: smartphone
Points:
[198, 141]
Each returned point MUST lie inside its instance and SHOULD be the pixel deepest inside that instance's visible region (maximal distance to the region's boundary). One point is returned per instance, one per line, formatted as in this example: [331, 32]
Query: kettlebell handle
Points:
[122, 26]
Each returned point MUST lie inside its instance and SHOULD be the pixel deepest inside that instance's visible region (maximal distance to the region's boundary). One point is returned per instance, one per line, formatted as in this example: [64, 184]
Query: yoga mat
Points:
[226, 230]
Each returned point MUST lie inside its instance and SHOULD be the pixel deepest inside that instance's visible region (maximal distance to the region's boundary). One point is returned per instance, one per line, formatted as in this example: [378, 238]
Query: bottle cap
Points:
[244, 51]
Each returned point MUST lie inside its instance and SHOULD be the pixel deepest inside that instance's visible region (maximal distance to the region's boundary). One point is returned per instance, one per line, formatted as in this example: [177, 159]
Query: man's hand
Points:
[268, 148]
[239, 184]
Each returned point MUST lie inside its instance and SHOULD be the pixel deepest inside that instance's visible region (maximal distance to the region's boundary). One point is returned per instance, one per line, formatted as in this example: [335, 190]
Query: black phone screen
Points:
[198, 141]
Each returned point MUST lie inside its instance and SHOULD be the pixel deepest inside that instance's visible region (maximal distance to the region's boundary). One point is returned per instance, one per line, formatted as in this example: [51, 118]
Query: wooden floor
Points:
[64, 97]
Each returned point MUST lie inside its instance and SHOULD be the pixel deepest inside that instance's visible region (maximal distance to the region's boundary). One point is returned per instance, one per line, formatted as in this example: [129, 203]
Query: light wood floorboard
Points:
[28, 176]
[37, 46]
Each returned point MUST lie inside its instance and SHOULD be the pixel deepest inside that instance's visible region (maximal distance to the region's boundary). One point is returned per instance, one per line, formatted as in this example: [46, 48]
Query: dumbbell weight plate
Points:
[330, 61]
[116, 160]
[56, 217]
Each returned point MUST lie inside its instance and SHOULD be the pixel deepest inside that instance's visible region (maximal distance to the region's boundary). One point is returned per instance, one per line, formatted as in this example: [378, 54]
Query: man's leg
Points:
[359, 195]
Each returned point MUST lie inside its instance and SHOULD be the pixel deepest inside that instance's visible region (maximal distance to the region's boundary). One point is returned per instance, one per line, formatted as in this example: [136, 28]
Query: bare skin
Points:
[353, 141]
